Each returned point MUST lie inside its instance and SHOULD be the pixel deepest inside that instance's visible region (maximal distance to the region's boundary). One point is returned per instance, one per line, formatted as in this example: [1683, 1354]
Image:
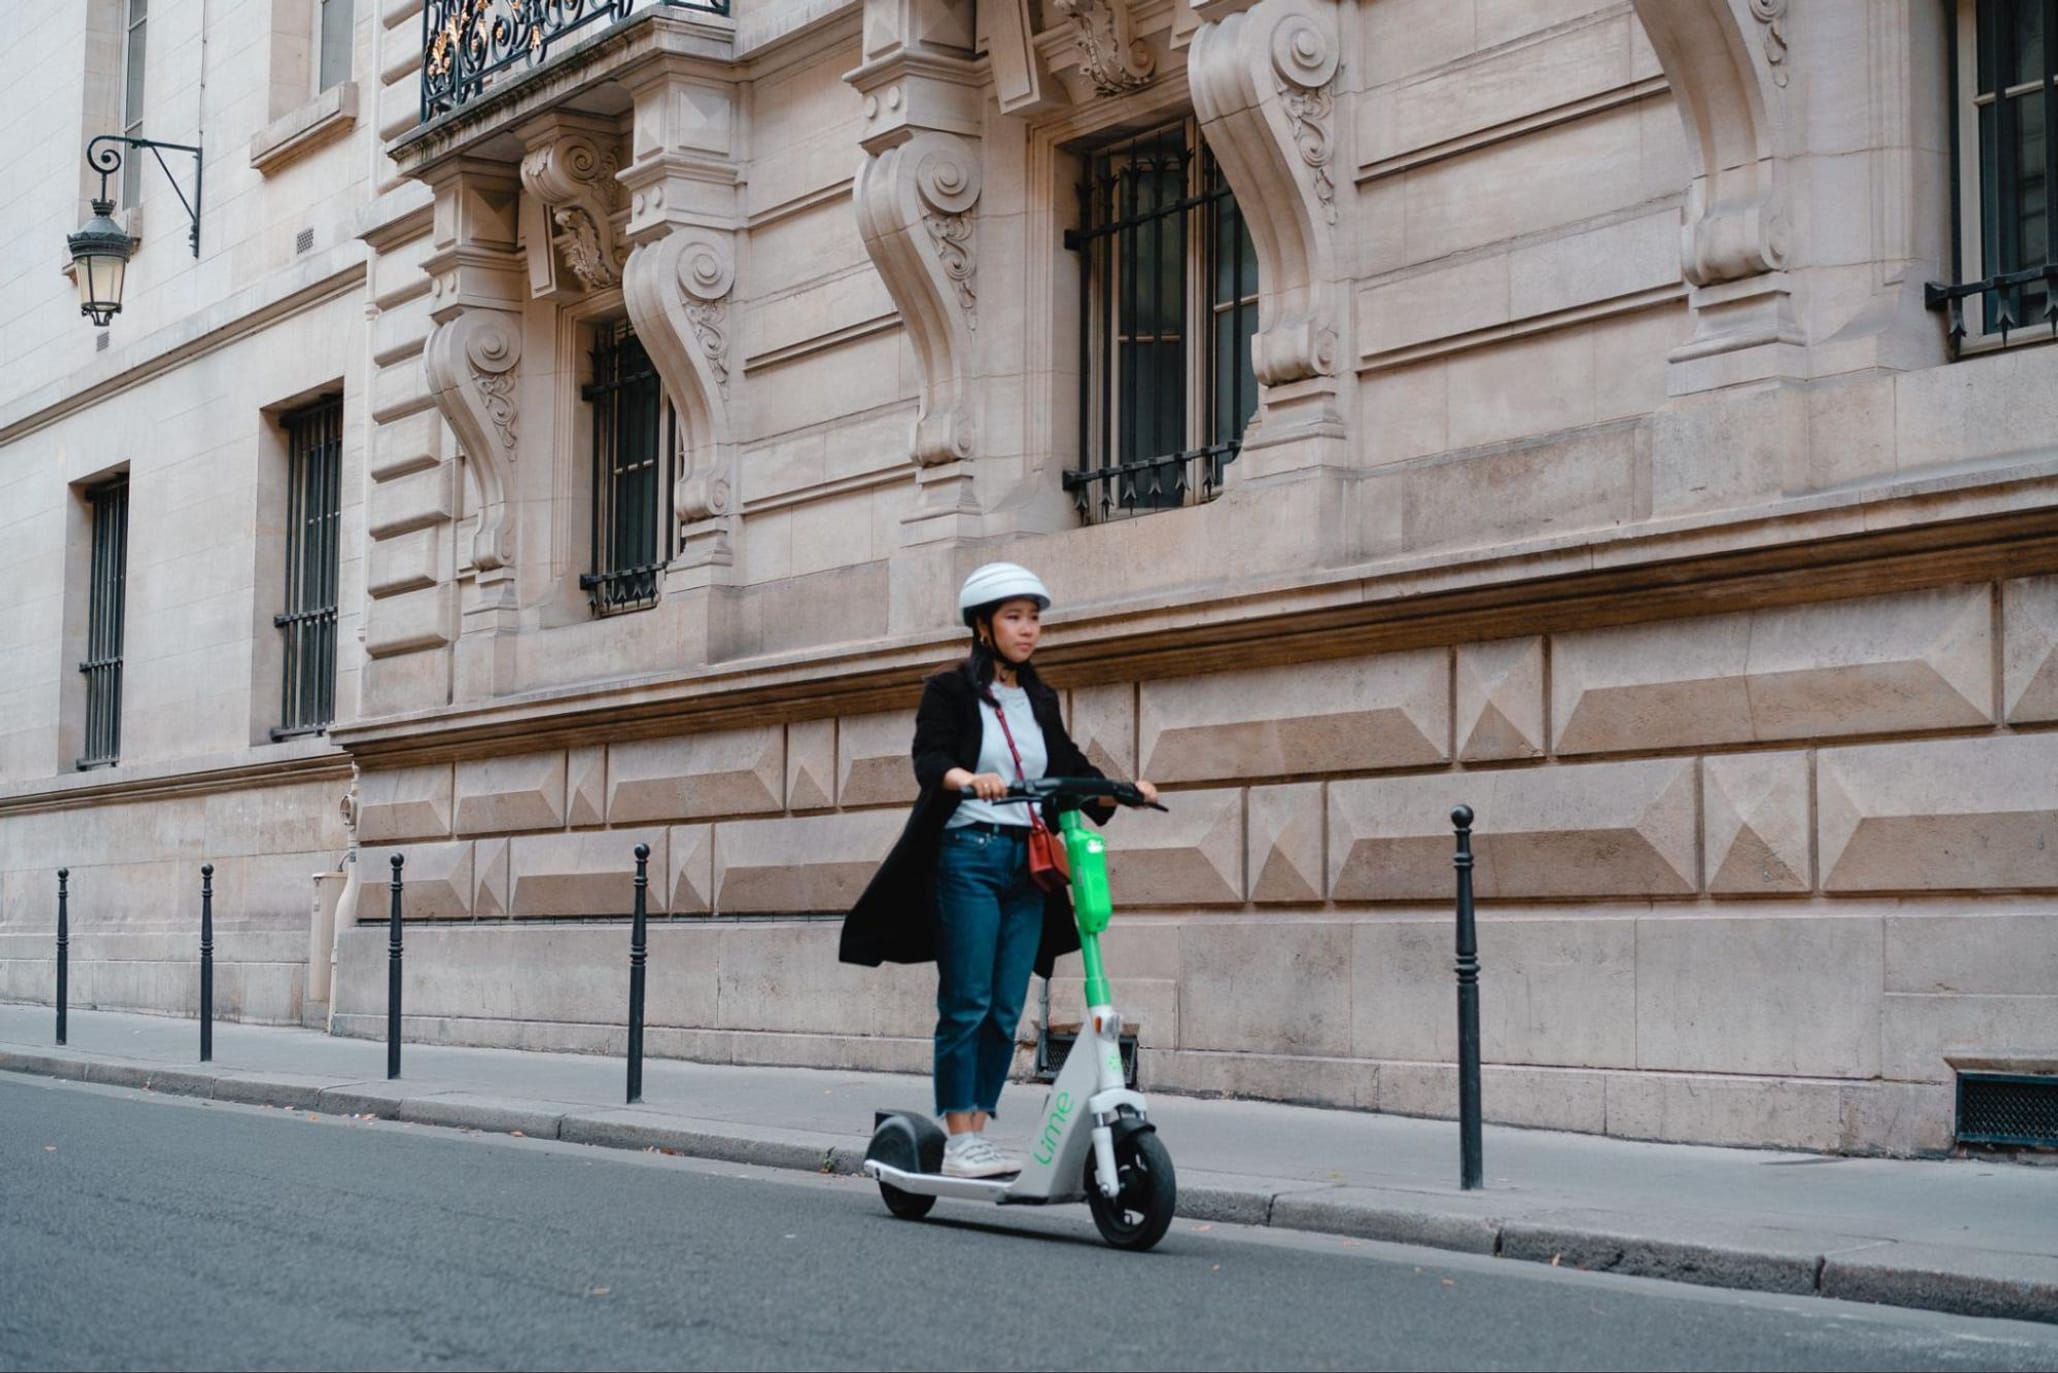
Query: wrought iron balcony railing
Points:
[469, 45]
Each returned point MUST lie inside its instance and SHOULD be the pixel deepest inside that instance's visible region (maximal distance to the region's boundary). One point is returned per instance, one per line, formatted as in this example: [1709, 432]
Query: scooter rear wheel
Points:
[1140, 1212]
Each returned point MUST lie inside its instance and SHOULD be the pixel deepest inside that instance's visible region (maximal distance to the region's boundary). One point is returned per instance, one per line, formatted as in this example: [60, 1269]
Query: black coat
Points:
[895, 920]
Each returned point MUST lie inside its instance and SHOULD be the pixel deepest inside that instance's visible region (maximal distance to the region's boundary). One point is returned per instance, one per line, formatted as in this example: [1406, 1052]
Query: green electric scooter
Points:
[1095, 1142]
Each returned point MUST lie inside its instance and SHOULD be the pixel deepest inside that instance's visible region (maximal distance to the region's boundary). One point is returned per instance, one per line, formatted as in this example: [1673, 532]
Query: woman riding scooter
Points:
[957, 886]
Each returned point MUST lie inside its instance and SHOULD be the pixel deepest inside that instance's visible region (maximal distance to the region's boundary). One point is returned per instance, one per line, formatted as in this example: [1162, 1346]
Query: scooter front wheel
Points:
[1140, 1212]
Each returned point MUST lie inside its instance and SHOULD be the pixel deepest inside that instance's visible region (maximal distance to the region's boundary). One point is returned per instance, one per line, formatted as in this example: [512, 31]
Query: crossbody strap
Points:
[1000, 713]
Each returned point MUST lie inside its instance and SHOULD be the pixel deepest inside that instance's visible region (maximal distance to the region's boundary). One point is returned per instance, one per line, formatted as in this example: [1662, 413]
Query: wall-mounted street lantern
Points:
[100, 250]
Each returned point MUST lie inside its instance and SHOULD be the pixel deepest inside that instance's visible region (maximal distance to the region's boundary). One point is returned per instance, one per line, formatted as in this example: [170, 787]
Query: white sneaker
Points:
[970, 1156]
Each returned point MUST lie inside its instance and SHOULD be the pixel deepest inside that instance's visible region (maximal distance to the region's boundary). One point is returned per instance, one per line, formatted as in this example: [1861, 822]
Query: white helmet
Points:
[997, 582]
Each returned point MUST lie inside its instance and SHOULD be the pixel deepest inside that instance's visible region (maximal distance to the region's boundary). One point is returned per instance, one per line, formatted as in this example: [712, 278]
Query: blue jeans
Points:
[990, 921]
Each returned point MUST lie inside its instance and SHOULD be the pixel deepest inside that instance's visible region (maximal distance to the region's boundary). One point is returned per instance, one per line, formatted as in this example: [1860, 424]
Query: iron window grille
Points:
[314, 490]
[2008, 1108]
[2004, 164]
[1163, 402]
[106, 611]
[469, 45]
[634, 441]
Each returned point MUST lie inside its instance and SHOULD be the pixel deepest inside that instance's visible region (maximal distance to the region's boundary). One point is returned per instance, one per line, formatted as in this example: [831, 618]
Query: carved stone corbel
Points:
[1727, 62]
[676, 289]
[473, 360]
[1263, 86]
[1110, 54]
[569, 175]
[916, 205]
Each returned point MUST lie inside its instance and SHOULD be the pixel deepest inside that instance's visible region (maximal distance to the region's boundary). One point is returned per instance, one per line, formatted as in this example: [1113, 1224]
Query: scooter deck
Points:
[937, 1185]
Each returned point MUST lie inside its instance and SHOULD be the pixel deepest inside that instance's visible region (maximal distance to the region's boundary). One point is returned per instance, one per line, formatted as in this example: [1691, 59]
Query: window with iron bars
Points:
[314, 490]
[1168, 305]
[2004, 56]
[107, 592]
[634, 440]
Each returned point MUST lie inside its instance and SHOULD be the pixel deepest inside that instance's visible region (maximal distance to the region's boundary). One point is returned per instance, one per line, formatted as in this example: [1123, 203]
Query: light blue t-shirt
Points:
[994, 757]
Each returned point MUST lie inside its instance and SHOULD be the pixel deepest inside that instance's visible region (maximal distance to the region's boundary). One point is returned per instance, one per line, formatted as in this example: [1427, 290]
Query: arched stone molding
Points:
[916, 204]
[676, 289]
[573, 201]
[473, 360]
[1263, 82]
[1727, 62]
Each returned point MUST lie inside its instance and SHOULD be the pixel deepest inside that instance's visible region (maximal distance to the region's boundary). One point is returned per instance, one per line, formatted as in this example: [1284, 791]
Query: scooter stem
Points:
[1092, 906]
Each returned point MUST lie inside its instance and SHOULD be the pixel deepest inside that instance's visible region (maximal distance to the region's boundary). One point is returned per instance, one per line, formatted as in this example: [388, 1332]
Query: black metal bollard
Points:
[638, 953]
[207, 962]
[393, 977]
[1471, 1164]
[63, 949]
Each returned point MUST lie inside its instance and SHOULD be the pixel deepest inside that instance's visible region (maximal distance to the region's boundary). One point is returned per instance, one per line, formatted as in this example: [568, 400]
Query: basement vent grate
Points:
[1054, 1046]
[303, 240]
[100, 342]
[2008, 1108]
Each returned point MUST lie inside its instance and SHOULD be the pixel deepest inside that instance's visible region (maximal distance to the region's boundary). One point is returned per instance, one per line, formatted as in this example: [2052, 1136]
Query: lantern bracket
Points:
[108, 160]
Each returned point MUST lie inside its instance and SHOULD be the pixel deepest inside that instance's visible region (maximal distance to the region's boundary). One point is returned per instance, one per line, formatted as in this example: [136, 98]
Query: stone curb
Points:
[1965, 1282]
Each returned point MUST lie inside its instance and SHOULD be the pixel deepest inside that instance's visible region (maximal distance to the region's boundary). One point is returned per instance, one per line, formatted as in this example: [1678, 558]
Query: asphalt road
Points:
[147, 1232]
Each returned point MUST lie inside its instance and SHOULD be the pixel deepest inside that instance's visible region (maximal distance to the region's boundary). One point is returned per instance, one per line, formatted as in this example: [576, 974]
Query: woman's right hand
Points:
[988, 786]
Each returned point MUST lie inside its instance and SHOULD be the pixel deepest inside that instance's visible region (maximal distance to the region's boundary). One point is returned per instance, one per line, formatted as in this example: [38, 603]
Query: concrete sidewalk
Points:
[1977, 1237]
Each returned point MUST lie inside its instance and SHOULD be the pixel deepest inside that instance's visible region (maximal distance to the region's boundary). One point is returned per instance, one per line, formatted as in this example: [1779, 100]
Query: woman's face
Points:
[1017, 625]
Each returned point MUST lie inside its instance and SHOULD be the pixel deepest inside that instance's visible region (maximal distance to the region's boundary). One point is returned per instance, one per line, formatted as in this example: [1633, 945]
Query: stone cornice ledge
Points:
[301, 760]
[1977, 521]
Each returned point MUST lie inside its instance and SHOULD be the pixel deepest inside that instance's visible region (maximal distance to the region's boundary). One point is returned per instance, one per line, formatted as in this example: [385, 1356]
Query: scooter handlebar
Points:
[1077, 790]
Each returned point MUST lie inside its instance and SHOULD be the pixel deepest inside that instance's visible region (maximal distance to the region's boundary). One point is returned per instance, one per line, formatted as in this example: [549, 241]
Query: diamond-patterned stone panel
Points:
[1919, 661]
[875, 759]
[692, 869]
[404, 803]
[436, 882]
[1597, 829]
[586, 785]
[811, 765]
[1390, 710]
[1190, 855]
[728, 772]
[1754, 809]
[490, 879]
[801, 863]
[1500, 699]
[1103, 724]
[1285, 833]
[523, 791]
[2029, 633]
[588, 873]
[1939, 814]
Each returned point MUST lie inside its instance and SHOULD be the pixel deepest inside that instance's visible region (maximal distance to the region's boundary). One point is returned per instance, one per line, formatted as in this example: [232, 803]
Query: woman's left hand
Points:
[1149, 792]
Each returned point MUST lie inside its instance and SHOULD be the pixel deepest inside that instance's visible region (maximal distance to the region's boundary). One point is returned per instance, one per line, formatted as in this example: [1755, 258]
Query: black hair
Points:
[983, 661]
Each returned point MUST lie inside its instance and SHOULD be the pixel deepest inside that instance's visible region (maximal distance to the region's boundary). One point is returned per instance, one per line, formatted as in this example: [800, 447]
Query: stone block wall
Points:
[1706, 913]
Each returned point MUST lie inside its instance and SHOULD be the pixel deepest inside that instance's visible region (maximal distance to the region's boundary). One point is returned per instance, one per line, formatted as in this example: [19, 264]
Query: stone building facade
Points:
[1537, 404]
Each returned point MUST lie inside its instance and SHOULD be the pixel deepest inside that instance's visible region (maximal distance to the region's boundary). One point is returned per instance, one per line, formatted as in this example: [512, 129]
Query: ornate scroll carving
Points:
[1304, 61]
[1114, 59]
[677, 290]
[1772, 14]
[573, 176]
[915, 205]
[1261, 83]
[472, 360]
